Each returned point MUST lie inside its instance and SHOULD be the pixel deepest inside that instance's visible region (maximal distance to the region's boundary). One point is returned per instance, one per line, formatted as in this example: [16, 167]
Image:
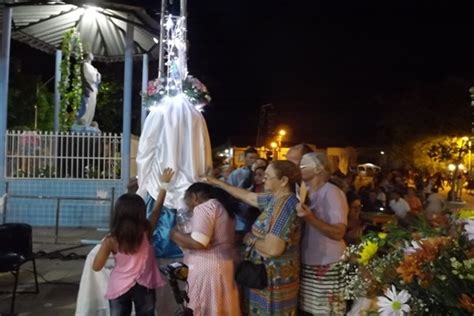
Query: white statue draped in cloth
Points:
[90, 87]
[174, 135]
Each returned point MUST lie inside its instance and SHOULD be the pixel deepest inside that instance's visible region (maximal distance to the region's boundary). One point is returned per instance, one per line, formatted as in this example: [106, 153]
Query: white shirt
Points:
[400, 207]
[435, 203]
[381, 197]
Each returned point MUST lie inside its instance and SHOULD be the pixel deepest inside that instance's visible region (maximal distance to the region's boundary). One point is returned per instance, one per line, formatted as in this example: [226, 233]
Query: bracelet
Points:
[164, 186]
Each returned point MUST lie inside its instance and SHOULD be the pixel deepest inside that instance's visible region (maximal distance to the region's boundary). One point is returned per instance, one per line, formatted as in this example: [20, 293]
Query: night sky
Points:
[334, 70]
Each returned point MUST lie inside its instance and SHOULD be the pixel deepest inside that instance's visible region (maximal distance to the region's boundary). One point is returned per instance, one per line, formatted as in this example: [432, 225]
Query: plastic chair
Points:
[16, 248]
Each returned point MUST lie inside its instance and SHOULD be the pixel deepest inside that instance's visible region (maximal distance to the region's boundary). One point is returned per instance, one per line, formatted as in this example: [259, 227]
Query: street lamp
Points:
[274, 146]
[36, 117]
[281, 134]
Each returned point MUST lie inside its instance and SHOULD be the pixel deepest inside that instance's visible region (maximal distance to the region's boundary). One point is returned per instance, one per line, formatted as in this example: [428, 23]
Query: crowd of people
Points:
[294, 216]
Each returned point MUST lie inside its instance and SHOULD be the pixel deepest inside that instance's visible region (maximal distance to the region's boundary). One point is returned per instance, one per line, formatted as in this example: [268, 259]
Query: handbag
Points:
[250, 274]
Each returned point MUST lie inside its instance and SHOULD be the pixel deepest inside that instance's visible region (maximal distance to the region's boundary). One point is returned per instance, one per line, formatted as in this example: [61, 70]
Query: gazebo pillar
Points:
[57, 94]
[144, 90]
[4, 76]
[127, 103]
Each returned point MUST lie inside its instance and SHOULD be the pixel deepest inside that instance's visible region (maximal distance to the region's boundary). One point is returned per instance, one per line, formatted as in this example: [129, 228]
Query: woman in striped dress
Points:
[274, 239]
[323, 240]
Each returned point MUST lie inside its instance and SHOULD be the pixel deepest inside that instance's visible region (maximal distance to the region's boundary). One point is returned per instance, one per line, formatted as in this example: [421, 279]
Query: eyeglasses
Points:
[265, 177]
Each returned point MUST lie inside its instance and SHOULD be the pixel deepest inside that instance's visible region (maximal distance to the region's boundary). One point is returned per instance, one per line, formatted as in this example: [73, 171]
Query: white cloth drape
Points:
[174, 135]
[90, 298]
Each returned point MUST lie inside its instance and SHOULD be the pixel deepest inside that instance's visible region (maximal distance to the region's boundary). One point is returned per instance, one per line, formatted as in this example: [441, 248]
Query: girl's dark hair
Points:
[207, 191]
[129, 222]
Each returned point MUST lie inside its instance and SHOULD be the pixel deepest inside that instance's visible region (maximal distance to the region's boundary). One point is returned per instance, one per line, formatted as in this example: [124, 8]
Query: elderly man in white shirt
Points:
[398, 205]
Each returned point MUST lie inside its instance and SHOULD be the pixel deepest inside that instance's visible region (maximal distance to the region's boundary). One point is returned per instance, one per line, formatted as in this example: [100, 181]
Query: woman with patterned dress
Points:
[274, 239]
[209, 252]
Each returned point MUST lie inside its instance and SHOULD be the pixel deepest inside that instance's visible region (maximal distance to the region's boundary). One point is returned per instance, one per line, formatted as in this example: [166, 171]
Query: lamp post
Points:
[274, 146]
[36, 117]
[281, 134]
[455, 183]
[470, 158]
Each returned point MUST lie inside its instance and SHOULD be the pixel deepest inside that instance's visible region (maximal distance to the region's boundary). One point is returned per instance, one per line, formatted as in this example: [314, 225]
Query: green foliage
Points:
[429, 154]
[108, 111]
[436, 153]
[71, 84]
[45, 104]
[449, 149]
[431, 258]
[23, 95]
[21, 101]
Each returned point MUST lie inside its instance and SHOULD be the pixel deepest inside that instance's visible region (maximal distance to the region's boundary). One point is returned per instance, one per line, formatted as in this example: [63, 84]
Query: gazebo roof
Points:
[102, 26]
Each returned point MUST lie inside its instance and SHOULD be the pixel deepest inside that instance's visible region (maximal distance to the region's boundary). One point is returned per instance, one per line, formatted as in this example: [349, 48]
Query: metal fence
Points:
[56, 155]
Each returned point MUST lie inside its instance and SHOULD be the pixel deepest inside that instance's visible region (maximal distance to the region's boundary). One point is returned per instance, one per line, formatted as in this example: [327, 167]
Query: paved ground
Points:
[59, 279]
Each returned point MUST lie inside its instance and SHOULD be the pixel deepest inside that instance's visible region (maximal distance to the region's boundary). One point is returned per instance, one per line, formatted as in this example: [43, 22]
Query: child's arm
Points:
[165, 178]
[102, 255]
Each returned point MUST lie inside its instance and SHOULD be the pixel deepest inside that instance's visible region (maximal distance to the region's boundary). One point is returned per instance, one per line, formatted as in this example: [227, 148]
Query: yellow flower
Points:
[466, 214]
[382, 235]
[369, 250]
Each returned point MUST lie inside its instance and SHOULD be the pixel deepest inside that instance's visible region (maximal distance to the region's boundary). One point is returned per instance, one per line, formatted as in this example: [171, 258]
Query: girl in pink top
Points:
[135, 275]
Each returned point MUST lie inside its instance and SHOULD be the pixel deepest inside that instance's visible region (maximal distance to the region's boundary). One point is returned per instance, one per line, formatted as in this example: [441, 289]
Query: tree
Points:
[437, 154]
[45, 108]
[109, 106]
[70, 86]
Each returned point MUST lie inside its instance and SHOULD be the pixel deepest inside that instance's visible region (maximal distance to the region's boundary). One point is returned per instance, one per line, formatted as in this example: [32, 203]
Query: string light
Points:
[177, 79]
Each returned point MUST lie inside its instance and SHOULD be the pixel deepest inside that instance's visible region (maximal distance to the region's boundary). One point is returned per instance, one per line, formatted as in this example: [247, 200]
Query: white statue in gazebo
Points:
[91, 79]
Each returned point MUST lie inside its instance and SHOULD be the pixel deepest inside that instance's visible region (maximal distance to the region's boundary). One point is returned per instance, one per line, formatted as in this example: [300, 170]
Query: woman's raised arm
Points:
[245, 196]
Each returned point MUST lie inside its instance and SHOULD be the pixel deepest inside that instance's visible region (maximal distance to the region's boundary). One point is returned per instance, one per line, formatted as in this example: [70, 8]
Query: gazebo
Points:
[115, 33]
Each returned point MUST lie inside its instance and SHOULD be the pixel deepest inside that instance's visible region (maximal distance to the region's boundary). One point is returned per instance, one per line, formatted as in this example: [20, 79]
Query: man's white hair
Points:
[321, 162]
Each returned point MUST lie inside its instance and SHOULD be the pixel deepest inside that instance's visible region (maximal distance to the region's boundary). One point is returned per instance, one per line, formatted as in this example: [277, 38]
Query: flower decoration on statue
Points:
[177, 80]
[193, 88]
